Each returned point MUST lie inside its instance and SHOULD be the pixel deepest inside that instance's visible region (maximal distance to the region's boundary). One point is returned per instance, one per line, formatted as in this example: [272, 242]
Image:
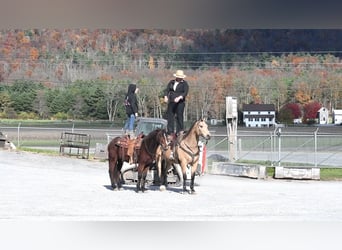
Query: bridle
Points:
[163, 147]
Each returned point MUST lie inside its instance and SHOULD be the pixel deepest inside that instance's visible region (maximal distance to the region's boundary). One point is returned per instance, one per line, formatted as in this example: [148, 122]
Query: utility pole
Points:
[232, 117]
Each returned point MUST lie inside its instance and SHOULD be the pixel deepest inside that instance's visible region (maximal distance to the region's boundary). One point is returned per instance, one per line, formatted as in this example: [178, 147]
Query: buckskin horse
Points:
[186, 153]
[121, 149]
[147, 154]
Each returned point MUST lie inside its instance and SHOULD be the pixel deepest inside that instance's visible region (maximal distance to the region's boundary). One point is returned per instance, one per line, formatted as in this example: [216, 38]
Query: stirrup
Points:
[171, 156]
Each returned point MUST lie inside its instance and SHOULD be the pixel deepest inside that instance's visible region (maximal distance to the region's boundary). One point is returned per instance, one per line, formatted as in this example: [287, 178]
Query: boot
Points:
[131, 135]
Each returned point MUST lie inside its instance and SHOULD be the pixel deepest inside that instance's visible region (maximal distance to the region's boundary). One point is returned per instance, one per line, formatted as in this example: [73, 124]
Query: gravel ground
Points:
[49, 188]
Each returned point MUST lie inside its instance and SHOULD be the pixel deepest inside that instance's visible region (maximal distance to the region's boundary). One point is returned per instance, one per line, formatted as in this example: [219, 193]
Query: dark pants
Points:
[175, 112]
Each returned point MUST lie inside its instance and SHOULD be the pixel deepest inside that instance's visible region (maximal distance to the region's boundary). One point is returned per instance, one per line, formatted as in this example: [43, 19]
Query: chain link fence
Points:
[289, 146]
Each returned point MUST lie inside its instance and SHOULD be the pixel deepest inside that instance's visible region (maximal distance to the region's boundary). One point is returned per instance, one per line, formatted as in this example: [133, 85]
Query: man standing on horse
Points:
[175, 94]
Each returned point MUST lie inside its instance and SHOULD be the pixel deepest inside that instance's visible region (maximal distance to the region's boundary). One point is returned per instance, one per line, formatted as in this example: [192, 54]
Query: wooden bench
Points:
[77, 144]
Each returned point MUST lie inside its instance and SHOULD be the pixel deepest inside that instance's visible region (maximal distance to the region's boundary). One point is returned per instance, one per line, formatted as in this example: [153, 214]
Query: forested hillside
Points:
[83, 74]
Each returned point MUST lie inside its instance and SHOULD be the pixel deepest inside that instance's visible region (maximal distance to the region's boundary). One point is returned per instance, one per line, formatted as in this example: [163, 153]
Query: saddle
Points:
[174, 141]
[131, 145]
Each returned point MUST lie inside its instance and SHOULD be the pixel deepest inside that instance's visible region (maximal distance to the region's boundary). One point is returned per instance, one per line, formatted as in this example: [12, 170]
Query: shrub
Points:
[27, 116]
[60, 116]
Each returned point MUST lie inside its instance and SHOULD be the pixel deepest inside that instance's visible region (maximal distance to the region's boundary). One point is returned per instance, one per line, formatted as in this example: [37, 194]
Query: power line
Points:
[146, 62]
[72, 56]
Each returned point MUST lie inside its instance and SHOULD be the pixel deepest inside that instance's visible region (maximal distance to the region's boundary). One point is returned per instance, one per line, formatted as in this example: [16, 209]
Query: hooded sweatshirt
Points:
[132, 108]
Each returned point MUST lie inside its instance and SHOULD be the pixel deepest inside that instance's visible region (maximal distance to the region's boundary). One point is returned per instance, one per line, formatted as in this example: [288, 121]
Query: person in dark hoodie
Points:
[131, 105]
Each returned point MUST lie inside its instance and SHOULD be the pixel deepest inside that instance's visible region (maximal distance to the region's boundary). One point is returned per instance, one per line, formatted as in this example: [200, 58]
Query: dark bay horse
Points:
[186, 153]
[121, 149]
[147, 154]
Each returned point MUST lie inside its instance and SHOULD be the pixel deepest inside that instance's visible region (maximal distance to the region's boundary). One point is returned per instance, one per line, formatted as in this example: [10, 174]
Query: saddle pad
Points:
[126, 142]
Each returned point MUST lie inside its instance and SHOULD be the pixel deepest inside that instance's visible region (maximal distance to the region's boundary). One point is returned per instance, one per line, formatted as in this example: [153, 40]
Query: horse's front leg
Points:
[160, 170]
[117, 174]
[159, 165]
[139, 180]
[184, 176]
[111, 171]
[192, 183]
[193, 174]
[143, 179]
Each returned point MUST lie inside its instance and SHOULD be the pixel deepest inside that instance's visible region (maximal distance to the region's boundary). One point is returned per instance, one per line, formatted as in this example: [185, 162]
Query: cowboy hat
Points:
[179, 74]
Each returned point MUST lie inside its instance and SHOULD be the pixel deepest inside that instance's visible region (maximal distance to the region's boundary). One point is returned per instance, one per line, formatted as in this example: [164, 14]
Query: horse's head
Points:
[163, 140]
[202, 129]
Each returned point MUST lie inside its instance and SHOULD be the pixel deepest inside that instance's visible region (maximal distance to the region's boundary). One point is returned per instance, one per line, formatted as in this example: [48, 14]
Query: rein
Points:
[151, 153]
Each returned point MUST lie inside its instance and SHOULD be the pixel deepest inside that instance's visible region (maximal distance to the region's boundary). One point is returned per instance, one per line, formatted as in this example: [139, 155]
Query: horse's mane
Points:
[151, 139]
[189, 131]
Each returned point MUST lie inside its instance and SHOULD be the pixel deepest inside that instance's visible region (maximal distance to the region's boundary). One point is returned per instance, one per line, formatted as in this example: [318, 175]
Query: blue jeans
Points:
[130, 122]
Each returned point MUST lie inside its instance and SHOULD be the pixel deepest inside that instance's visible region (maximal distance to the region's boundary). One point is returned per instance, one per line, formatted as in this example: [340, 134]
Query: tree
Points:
[5, 101]
[289, 112]
[255, 95]
[295, 110]
[23, 95]
[285, 116]
[39, 104]
[60, 101]
[96, 104]
[310, 112]
[302, 94]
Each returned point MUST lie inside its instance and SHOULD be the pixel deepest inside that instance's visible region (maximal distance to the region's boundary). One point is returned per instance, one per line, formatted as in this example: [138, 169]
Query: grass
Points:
[40, 151]
[52, 143]
[331, 174]
[59, 123]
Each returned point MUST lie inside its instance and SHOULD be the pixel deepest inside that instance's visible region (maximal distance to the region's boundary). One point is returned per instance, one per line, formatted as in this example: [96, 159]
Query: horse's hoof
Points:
[162, 188]
[192, 191]
[184, 191]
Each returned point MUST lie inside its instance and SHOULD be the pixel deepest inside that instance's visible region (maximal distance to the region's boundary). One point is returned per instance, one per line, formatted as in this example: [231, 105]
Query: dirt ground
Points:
[49, 188]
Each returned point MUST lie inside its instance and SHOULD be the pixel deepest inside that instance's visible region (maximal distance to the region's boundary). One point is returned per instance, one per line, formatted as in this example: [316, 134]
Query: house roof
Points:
[258, 107]
[337, 111]
[323, 109]
[259, 116]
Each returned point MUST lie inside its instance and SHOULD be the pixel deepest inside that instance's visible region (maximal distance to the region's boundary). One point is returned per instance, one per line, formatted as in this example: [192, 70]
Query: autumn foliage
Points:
[218, 63]
[310, 111]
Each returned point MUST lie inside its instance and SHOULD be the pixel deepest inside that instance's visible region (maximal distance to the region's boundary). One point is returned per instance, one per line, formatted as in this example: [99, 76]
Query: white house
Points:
[337, 116]
[323, 115]
[258, 115]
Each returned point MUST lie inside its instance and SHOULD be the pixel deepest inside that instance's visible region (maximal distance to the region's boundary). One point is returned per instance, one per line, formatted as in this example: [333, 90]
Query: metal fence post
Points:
[315, 134]
[272, 148]
[279, 145]
[18, 134]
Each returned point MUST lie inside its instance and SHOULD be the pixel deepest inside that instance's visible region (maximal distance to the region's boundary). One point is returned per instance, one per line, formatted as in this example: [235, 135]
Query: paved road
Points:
[50, 188]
